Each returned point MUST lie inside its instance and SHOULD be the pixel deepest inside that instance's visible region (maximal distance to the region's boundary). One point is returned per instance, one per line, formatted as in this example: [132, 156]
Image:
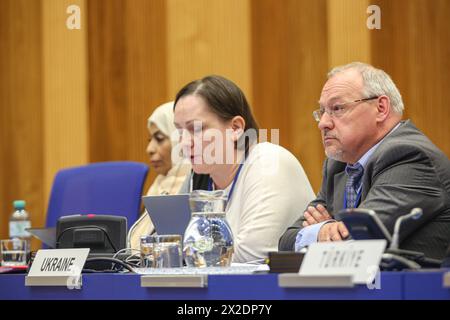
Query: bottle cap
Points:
[19, 204]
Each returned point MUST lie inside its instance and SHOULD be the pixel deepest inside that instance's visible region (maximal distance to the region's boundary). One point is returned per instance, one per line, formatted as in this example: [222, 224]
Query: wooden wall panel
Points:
[127, 75]
[413, 46]
[65, 105]
[21, 120]
[107, 61]
[208, 37]
[146, 69]
[348, 35]
[289, 58]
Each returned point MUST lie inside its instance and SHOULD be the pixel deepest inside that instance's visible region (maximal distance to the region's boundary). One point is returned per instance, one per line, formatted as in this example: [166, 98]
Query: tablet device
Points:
[46, 235]
[170, 214]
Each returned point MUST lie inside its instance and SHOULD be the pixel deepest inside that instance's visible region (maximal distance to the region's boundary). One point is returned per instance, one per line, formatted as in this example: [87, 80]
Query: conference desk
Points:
[394, 286]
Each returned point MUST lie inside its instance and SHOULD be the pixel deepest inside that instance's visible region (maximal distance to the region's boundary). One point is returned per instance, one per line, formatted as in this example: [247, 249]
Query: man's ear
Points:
[384, 108]
[238, 127]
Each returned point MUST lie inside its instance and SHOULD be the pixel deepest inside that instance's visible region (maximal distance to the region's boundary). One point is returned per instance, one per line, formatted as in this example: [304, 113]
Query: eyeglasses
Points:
[337, 110]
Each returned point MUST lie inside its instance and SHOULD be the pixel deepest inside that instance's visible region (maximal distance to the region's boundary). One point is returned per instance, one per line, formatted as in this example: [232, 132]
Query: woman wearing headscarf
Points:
[169, 166]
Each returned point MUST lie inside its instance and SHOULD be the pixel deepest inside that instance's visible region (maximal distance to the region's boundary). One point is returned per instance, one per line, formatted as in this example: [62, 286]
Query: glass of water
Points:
[146, 251]
[13, 252]
[167, 251]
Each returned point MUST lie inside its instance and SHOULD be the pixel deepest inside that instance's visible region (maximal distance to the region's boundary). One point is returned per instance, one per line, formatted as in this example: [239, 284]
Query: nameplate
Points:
[357, 259]
[57, 267]
[174, 281]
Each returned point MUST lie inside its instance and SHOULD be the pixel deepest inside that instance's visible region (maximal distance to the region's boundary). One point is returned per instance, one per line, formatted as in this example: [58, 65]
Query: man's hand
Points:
[333, 231]
[315, 215]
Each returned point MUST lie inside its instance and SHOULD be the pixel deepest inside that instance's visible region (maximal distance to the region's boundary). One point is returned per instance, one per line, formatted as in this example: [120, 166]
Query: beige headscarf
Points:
[162, 117]
[171, 183]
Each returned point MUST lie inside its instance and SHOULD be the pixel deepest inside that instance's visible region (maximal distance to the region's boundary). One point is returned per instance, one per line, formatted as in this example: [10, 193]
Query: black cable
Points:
[416, 256]
[112, 260]
[98, 271]
[88, 227]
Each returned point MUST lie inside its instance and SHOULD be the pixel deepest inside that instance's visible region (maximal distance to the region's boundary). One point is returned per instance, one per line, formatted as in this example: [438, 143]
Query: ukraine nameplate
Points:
[57, 267]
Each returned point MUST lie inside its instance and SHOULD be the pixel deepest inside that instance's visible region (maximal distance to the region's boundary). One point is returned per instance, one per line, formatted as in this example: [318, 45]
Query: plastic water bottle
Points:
[19, 221]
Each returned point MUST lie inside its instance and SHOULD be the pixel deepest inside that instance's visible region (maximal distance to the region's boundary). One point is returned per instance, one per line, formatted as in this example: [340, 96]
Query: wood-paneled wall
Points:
[69, 97]
[21, 119]
[127, 75]
[348, 36]
[208, 37]
[289, 59]
[43, 102]
[64, 79]
[413, 46]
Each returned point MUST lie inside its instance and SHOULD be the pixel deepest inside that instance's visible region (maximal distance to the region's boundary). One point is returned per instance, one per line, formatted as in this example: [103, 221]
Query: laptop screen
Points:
[170, 214]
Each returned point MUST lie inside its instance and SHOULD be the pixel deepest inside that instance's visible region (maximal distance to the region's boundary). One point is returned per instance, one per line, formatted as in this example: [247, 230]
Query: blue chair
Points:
[113, 188]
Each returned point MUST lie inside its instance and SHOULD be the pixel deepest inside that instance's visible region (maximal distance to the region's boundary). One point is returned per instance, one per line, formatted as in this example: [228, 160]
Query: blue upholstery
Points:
[113, 188]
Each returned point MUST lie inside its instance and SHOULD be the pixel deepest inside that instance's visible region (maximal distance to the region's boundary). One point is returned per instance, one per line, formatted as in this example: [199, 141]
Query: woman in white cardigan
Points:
[266, 185]
[171, 170]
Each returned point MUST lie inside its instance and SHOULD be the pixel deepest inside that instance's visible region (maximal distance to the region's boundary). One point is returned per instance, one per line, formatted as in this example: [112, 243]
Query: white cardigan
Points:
[271, 193]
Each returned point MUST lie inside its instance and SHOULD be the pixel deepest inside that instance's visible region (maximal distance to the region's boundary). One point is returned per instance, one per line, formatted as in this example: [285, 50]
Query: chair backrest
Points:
[113, 188]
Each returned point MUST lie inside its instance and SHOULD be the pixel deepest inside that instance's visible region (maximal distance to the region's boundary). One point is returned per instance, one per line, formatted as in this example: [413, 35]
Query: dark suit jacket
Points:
[405, 171]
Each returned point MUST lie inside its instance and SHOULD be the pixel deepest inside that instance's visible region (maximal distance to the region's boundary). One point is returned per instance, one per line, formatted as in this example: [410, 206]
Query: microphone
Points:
[415, 214]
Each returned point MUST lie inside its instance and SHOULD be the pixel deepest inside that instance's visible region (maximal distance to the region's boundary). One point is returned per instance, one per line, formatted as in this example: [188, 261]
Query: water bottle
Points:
[19, 221]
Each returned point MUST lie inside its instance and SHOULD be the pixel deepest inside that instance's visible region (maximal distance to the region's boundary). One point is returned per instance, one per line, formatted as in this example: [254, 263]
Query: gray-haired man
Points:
[375, 161]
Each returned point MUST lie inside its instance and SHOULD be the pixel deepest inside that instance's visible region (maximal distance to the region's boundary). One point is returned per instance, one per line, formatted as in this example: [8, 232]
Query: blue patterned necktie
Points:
[353, 183]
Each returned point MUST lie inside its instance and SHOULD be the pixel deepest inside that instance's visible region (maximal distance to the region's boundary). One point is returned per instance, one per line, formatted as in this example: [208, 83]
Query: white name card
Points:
[57, 267]
[358, 259]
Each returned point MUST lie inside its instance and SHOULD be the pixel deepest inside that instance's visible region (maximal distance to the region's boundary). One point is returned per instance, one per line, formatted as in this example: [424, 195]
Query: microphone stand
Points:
[399, 258]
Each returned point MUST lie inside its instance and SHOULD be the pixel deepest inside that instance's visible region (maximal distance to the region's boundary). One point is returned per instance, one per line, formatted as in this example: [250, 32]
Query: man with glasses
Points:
[374, 161]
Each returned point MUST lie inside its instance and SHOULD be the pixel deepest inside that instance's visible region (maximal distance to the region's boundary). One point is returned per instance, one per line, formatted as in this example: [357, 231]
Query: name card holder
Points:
[446, 280]
[71, 282]
[57, 267]
[295, 280]
[338, 264]
[174, 281]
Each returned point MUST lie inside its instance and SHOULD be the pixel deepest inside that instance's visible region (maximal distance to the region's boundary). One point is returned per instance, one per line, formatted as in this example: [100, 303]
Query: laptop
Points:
[170, 214]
